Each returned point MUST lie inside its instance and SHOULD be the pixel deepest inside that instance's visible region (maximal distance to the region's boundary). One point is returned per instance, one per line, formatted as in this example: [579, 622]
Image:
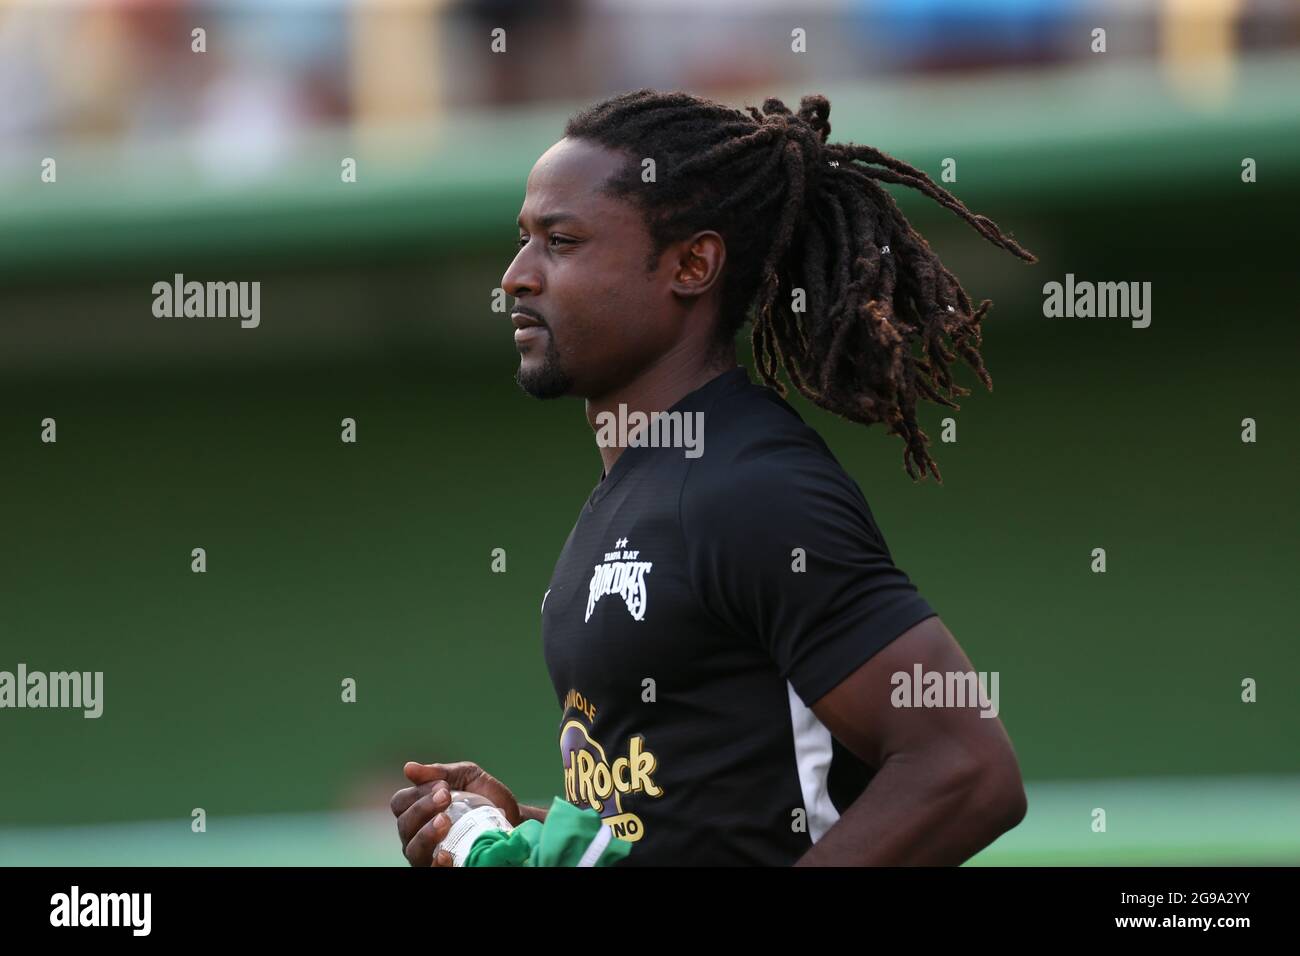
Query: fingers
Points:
[403, 798]
[421, 822]
[424, 772]
[419, 803]
[419, 851]
[422, 809]
[458, 773]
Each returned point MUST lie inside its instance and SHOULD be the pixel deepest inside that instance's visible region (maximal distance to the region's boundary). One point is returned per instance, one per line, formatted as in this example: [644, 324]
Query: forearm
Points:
[919, 812]
[531, 813]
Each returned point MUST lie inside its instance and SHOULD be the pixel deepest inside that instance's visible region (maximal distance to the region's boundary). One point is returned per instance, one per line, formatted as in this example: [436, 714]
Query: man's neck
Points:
[657, 389]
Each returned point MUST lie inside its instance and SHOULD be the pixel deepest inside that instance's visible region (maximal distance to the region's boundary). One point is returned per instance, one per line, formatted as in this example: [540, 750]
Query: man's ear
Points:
[699, 263]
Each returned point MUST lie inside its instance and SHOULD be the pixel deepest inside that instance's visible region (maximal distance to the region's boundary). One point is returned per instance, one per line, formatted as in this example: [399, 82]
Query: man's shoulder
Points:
[756, 444]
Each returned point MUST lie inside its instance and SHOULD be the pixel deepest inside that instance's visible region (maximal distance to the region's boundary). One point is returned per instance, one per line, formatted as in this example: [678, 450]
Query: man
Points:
[725, 628]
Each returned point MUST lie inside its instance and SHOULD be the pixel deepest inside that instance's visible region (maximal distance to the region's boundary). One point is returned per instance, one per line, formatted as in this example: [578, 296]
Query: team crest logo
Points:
[620, 573]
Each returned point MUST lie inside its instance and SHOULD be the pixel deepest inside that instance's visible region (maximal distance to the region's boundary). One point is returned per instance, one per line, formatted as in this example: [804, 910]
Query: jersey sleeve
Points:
[782, 548]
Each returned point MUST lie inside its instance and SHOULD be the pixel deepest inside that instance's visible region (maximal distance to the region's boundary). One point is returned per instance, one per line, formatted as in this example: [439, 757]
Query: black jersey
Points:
[700, 607]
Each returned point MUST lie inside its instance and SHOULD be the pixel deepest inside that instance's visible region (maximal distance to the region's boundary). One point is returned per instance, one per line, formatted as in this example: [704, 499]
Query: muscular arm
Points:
[947, 782]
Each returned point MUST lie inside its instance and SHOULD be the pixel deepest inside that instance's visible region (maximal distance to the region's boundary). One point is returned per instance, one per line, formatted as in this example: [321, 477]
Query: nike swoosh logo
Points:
[548, 591]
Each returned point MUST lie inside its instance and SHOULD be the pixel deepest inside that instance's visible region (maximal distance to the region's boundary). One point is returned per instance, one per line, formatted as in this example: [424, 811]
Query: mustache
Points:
[524, 310]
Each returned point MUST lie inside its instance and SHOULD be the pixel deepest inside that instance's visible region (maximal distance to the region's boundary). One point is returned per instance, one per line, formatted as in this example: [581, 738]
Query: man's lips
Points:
[528, 333]
[527, 327]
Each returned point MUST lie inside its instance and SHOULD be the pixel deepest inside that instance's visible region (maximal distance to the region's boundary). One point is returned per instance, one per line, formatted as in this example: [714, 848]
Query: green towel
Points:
[569, 837]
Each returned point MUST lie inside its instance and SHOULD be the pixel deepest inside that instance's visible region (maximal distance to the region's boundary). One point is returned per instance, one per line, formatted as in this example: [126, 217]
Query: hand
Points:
[421, 823]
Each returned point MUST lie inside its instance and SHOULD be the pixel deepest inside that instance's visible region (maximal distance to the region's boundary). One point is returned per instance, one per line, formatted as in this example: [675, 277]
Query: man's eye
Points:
[523, 240]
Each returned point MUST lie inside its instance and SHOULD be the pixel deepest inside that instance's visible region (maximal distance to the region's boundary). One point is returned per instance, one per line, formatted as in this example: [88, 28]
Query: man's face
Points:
[598, 318]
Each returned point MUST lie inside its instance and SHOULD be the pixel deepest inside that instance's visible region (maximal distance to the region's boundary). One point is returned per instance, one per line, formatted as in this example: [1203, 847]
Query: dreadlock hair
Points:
[797, 212]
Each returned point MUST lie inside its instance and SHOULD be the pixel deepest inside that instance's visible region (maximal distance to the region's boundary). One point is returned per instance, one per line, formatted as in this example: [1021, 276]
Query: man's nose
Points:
[520, 278]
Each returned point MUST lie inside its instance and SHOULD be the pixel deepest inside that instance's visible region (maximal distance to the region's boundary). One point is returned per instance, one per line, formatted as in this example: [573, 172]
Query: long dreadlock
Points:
[797, 212]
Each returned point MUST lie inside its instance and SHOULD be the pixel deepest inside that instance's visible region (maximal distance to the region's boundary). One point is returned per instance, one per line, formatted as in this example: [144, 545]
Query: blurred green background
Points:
[372, 561]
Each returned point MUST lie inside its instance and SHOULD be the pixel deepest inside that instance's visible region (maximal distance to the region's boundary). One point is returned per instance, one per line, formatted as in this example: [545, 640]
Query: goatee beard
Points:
[549, 381]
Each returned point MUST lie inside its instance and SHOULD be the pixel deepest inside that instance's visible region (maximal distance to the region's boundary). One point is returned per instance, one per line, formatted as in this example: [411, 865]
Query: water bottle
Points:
[471, 815]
